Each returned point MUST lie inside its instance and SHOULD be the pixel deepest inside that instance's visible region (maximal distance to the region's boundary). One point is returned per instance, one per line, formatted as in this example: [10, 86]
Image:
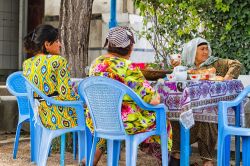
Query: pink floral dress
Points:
[135, 119]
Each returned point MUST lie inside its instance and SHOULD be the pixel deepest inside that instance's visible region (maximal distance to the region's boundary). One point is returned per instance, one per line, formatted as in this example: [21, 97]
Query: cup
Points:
[180, 73]
[212, 76]
[176, 57]
[170, 77]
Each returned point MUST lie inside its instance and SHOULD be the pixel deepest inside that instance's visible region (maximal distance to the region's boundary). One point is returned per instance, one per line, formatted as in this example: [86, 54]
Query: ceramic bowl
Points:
[170, 77]
[195, 77]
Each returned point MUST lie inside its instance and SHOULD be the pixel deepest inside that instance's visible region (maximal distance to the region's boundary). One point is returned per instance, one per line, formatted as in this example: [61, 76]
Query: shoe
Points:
[174, 161]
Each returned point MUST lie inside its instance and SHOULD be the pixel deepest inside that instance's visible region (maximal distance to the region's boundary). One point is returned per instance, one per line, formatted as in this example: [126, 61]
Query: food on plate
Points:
[206, 74]
[195, 76]
[202, 71]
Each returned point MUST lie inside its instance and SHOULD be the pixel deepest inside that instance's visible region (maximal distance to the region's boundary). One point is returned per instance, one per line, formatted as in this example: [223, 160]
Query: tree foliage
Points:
[168, 24]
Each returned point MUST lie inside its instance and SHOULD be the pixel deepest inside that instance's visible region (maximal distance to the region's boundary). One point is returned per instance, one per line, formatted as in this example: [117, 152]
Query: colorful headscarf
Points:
[189, 52]
[120, 36]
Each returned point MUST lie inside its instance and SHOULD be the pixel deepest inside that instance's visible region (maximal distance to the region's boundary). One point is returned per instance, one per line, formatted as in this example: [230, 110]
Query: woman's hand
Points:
[228, 77]
[175, 62]
[155, 100]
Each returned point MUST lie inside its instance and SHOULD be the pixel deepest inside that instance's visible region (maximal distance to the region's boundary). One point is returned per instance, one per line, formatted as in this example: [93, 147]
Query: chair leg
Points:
[44, 148]
[50, 149]
[93, 149]
[114, 147]
[245, 151]
[223, 151]
[19, 126]
[62, 150]
[227, 151]
[74, 137]
[131, 152]
[164, 149]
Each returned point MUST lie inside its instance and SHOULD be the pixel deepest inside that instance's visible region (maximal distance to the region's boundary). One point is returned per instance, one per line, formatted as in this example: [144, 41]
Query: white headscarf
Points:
[189, 50]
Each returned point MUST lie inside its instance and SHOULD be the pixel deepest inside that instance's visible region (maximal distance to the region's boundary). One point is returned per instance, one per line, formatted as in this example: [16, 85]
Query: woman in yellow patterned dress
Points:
[115, 65]
[49, 72]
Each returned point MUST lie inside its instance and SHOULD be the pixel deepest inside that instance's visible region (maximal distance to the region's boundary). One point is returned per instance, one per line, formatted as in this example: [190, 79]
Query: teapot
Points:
[180, 73]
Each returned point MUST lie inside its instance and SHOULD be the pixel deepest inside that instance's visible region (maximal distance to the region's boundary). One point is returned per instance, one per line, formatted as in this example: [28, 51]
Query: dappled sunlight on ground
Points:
[23, 156]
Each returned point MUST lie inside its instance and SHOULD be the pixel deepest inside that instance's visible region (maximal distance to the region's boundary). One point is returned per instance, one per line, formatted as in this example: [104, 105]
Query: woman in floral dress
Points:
[115, 65]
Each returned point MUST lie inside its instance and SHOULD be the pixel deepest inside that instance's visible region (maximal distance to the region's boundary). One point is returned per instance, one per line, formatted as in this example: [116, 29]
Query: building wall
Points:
[9, 22]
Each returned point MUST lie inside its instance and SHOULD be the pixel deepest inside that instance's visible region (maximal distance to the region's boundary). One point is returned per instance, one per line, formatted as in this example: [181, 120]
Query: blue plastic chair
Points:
[104, 97]
[225, 132]
[44, 136]
[16, 85]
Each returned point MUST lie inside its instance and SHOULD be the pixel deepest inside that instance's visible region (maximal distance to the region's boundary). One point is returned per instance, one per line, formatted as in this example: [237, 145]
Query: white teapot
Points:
[180, 73]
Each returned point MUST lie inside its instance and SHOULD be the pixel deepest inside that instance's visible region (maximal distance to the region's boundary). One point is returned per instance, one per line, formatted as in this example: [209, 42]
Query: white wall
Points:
[52, 7]
[103, 6]
[9, 17]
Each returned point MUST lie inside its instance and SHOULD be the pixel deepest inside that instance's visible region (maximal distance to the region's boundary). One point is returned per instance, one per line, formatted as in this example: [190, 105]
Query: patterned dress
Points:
[225, 67]
[135, 119]
[51, 75]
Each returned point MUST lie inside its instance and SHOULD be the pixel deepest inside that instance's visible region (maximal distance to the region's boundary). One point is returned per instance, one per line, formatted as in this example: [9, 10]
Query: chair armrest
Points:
[53, 101]
[160, 110]
[65, 103]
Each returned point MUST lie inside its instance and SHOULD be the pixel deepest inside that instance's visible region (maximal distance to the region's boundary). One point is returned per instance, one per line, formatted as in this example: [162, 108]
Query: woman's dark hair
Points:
[34, 41]
[119, 50]
[203, 43]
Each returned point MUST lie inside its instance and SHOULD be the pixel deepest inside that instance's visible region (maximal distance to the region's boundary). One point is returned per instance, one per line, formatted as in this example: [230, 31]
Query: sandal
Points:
[174, 161]
[82, 163]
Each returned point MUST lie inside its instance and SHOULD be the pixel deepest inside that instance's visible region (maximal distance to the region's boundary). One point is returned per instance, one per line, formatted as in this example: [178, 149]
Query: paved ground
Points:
[23, 156]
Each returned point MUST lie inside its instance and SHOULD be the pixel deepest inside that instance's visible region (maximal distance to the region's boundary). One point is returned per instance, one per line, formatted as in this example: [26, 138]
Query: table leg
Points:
[185, 146]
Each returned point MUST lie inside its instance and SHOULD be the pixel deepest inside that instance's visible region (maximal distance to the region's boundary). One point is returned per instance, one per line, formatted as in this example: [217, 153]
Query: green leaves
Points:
[224, 23]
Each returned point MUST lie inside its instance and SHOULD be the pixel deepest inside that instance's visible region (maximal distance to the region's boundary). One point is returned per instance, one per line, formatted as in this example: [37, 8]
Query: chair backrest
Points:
[237, 102]
[104, 100]
[16, 86]
[30, 92]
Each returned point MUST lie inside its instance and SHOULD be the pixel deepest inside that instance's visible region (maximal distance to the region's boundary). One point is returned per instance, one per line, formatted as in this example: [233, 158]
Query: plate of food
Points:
[204, 74]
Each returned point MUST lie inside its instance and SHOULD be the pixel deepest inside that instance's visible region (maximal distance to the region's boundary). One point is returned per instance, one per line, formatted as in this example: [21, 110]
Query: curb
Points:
[12, 140]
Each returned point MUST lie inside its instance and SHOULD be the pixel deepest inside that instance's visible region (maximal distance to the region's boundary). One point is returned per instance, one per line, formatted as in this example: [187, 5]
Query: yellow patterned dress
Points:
[51, 75]
[135, 119]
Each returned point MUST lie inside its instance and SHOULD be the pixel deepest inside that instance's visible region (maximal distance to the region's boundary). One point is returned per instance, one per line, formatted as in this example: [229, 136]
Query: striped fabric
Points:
[121, 36]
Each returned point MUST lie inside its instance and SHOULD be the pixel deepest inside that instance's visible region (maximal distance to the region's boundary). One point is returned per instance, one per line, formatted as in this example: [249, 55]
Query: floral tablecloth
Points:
[200, 96]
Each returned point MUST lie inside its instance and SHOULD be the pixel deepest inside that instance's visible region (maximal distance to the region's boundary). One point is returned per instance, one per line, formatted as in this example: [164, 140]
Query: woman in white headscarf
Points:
[197, 55]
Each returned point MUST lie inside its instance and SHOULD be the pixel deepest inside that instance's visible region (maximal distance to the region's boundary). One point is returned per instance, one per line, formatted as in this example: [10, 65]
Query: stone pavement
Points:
[23, 155]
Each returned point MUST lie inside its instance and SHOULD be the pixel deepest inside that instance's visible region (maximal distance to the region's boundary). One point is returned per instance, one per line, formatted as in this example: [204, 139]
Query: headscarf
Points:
[120, 36]
[189, 53]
